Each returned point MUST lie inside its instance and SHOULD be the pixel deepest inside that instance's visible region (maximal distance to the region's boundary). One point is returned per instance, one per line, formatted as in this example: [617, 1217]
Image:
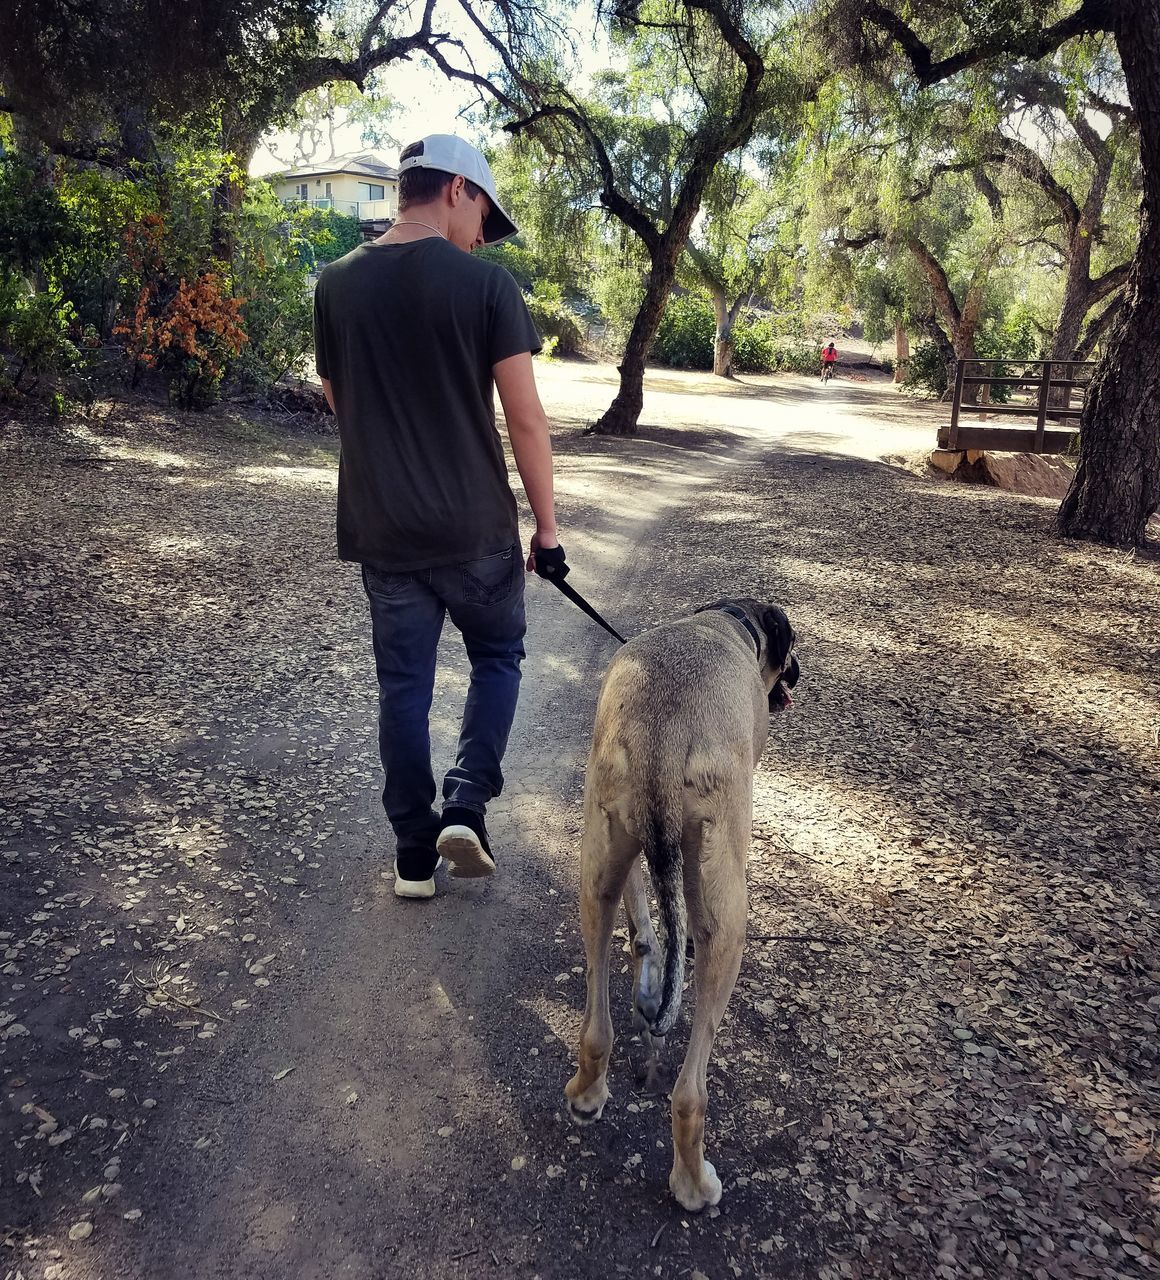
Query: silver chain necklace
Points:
[414, 222]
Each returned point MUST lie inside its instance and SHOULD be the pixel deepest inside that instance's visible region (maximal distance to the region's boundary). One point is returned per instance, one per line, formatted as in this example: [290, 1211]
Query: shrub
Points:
[188, 336]
[754, 349]
[685, 337]
[36, 329]
[272, 258]
[93, 267]
[515, 257]
[34, 224]
[554, 318]
[618, 291]
[322, 235]
[926, 370]
[797, 356]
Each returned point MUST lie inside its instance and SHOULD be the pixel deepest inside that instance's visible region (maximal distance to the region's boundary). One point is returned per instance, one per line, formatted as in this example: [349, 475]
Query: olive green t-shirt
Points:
[407, 334]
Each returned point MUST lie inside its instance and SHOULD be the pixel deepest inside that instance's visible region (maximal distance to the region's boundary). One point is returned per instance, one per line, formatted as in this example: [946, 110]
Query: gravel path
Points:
[228, 1050]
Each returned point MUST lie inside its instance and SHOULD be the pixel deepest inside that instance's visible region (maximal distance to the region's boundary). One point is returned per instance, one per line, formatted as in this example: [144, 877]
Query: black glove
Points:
[550, 563]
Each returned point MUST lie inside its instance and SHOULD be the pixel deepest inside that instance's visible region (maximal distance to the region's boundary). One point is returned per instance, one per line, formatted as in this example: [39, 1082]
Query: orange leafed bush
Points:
[195, 332]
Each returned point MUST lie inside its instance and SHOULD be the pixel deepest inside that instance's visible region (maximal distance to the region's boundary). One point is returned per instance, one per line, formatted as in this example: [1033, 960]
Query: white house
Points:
[362, 185]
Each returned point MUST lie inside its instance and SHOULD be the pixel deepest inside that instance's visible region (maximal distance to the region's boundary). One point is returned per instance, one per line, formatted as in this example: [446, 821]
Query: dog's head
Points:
[781, 660]
[779, 666]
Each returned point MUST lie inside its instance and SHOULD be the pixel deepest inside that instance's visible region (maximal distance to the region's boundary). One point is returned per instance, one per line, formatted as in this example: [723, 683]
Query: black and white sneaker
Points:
[415, 873]
[463, 843]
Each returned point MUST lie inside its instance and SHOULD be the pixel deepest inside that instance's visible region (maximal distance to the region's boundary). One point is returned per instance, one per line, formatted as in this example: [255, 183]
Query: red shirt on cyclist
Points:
[829, 354]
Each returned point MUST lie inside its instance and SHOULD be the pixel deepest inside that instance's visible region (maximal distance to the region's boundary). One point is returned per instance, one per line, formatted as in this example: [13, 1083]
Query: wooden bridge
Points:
[1040, 390]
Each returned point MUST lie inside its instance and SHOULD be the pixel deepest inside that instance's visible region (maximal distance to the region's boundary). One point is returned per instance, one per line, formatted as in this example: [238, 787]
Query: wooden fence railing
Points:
[1054, 386]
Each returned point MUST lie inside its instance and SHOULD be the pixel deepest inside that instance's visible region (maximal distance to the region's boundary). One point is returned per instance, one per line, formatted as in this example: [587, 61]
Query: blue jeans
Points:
[485, 599]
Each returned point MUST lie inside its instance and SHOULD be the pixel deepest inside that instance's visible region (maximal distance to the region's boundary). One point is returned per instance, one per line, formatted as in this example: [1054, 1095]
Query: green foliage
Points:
[685, 337]
[797, 356]
[134, 259]
[547, 197]
[321, 234]
[755, 348]
[688, 329]
[618, 290]
[555, 319]
[1013, 339]
[272, 257]
[37, 329]
[33, 223]
[91, 266]
[926, 370]
[516, 257]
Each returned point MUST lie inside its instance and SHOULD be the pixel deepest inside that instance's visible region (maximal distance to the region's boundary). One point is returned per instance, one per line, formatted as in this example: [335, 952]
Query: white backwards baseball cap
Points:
[452, 155]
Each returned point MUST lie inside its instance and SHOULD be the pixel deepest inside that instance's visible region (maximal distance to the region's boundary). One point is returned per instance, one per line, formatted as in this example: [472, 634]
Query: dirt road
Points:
[940, 1058]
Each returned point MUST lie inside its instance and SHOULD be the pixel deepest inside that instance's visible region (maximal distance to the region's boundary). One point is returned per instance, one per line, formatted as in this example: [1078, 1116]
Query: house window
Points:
[371, 191]
[329, 191]
[303, 190]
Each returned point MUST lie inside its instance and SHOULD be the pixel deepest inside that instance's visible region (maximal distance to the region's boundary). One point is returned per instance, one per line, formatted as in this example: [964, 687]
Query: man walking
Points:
[412, 334]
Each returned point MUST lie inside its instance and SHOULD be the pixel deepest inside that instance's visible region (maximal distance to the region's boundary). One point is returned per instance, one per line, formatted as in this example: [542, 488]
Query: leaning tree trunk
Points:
[1117, 483]
[1077, 302]
[620, 418]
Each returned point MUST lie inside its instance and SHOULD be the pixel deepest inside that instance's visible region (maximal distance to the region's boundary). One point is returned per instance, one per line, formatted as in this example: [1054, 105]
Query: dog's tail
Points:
[662, 851]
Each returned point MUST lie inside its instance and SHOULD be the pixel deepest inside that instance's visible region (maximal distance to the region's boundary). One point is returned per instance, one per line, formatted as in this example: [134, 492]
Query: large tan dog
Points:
[681, 723]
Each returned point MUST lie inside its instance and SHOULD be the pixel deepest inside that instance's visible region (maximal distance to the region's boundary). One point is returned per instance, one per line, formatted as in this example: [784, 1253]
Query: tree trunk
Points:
[619, 419]
[1117, 484]
[1077, 300]
[240, 141]
[723, 337]
[959, 324]
[901, 351]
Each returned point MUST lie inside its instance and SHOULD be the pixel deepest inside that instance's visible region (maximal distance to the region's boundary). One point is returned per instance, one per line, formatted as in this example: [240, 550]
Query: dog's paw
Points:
[695, 1194]
[586, 1106]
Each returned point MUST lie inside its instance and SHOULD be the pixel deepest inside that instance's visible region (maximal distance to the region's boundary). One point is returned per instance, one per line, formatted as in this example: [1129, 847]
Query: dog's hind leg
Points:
[717, 905]
[647, 955]
[648, 960]
[606, 854]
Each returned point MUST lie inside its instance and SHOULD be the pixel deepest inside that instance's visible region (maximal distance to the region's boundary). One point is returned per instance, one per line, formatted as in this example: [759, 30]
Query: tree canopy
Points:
[983, 178]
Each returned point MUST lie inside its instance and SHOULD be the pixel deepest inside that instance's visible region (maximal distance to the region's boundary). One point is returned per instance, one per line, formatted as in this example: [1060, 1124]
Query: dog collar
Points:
[742, 617]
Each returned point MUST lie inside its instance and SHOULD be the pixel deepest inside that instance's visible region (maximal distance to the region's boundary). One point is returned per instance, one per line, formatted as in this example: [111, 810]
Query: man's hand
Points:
[543, 540]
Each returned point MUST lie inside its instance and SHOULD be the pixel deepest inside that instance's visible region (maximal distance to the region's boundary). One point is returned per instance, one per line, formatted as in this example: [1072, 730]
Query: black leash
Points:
[551, 565]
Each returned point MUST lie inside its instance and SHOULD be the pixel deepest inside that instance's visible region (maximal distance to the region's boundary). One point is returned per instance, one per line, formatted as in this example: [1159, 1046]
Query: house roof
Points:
[365, 163]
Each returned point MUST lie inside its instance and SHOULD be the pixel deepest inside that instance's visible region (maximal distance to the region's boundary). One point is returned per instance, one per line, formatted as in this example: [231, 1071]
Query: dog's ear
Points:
[779, 636]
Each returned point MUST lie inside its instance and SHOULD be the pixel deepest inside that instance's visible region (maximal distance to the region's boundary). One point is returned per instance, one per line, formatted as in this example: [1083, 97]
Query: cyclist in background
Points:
[829, 359]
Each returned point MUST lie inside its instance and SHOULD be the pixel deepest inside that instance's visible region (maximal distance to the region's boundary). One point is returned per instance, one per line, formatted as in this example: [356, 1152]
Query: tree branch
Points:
[858, 242]
[989, 192]
[713, 278]
[940, 285]
[610, 195]
[1112, 279]
[926, 189]
[1091, 16]
[1026, 162]
[1098, 327]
